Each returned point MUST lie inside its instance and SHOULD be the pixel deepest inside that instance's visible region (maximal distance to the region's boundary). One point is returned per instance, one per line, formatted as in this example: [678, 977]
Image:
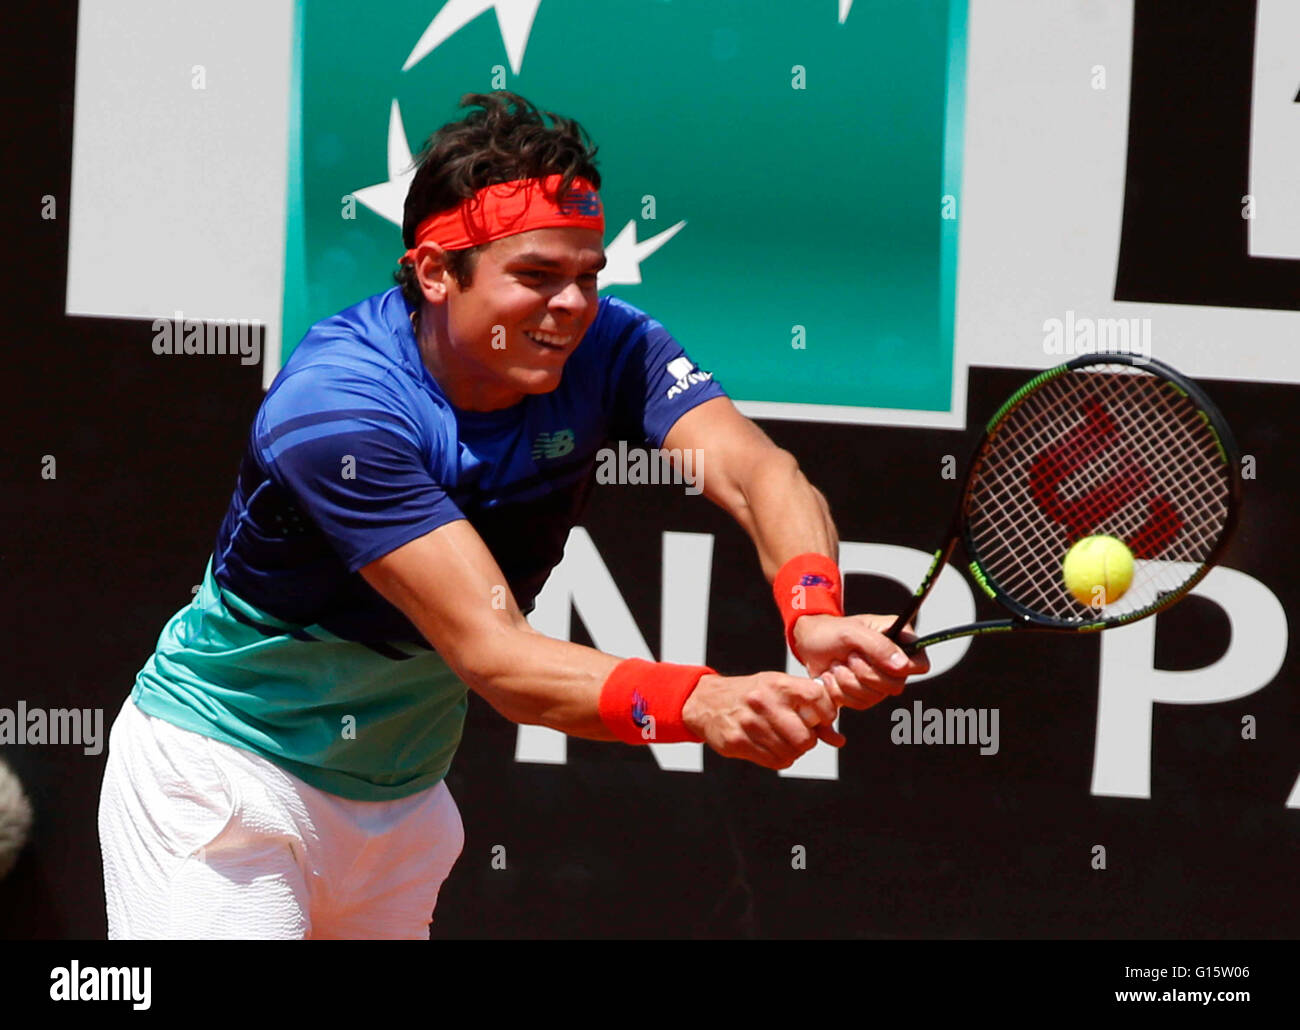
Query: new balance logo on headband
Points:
[581, 202]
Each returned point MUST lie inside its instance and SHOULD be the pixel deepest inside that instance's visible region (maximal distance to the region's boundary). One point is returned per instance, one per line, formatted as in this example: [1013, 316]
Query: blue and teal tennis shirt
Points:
[286, 650]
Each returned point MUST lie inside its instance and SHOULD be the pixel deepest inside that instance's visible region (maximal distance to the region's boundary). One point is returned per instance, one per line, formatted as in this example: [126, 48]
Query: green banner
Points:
[781, 179]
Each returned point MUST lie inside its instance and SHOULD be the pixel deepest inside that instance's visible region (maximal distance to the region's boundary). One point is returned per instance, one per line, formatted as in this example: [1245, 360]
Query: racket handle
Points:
[896, 630]
[909, 613]
[923, 591]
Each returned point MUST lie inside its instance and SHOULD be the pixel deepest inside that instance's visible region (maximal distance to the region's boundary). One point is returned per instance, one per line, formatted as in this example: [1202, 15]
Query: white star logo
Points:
[388, 199]
[514, 18]
[623, 254]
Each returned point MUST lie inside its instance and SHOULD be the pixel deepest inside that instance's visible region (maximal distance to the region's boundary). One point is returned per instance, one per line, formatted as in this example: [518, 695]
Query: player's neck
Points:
[460, 384]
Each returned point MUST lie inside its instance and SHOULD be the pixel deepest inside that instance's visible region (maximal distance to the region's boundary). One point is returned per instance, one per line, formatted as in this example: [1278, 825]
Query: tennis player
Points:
[409, 483]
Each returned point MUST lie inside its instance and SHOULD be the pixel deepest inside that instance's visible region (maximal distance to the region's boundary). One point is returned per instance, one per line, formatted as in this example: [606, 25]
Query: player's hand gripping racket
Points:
[1107, 445]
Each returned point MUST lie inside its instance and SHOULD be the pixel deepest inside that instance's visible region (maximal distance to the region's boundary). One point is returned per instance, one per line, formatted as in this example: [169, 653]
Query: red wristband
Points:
[642, 701]
[808, 584]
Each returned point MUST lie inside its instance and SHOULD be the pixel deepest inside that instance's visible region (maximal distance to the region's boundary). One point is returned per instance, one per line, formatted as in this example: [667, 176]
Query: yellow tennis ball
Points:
[1098, 570]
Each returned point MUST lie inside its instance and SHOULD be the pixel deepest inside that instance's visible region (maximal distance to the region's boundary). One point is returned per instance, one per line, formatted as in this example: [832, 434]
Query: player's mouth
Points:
[549, 341]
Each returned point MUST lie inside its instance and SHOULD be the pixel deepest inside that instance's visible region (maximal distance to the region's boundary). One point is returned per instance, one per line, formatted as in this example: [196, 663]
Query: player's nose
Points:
[572, 298]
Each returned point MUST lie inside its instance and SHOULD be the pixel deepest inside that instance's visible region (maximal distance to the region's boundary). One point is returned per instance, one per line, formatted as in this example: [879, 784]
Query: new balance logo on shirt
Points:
[553, 445]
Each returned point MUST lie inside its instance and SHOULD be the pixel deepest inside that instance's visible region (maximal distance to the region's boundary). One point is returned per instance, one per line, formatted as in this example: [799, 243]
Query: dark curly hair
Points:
[504, 139]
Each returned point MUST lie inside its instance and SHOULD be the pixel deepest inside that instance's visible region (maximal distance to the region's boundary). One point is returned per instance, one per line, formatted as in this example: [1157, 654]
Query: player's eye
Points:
[535, 277]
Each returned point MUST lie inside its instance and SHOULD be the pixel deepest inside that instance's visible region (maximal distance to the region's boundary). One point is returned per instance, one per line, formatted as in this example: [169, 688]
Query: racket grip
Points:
[908, 647]
[896, 630]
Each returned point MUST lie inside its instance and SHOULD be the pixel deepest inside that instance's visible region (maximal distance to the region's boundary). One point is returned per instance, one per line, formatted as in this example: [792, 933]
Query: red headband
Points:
[508, 208]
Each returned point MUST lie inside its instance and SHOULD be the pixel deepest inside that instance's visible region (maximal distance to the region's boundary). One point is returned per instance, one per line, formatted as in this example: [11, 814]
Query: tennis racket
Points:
[1113, 445]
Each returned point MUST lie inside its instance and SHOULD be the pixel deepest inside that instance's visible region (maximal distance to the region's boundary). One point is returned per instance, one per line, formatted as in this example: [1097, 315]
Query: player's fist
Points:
[862, 665]
[768, 718]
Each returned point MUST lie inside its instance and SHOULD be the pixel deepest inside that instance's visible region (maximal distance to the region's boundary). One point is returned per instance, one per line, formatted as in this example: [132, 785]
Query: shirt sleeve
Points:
[655, 382]
[354, 460]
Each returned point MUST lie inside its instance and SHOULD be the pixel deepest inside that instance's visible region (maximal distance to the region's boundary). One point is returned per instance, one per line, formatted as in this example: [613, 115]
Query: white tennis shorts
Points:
[204, 840]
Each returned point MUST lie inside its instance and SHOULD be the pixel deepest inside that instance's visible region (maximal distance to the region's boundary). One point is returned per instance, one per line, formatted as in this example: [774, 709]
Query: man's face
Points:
[531, 299]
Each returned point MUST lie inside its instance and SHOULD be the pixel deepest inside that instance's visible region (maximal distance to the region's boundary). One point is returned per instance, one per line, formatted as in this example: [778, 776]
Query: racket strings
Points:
[1160, 528]
[1106, 449]
[1187, 474]
[1085, 509]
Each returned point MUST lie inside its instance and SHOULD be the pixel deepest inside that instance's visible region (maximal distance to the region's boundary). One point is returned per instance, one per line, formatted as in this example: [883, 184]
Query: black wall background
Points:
[908, 842]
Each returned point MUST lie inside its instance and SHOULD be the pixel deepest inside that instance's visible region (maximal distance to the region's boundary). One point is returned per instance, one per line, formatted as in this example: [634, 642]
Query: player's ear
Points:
[431, 272]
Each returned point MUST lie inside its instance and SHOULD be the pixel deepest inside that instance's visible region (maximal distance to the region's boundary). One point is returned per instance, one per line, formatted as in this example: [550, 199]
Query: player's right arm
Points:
[451, 588]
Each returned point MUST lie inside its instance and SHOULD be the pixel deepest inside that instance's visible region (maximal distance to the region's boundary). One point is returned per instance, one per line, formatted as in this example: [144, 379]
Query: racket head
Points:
[1105, 444]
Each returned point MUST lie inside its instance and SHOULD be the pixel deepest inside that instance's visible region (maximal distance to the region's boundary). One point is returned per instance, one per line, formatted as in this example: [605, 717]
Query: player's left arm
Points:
[761, 486]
